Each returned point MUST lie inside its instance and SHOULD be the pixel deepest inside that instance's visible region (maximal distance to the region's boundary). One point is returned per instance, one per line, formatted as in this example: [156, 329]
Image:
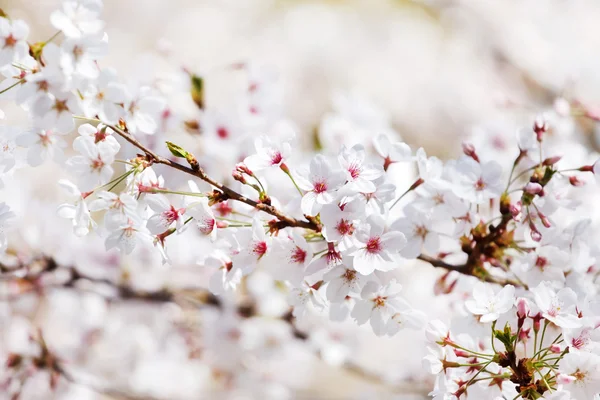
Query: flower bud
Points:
[522, 307]
[533, 188]
[539, 127]
[552, 160]
[242, 168]
[555, 348]
[237, 175]
[537, 322]
[535, 234]
[469, 150]
[574, 181]
[515, 211]
[545, 221]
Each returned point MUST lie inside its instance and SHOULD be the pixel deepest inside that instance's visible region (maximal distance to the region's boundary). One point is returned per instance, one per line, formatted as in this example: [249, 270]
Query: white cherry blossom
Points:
[489, 304]
[321, 183]
[376, 250]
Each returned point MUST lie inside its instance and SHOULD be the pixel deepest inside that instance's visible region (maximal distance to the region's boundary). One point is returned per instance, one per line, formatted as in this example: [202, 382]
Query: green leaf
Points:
[198, 90]
[177, 151]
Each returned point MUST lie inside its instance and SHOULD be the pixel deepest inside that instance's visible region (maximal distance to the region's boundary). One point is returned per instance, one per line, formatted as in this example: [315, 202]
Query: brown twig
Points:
[229, 193]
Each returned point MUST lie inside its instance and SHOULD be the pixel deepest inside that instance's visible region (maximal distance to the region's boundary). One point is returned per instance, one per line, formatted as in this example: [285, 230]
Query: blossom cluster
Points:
[301, 231]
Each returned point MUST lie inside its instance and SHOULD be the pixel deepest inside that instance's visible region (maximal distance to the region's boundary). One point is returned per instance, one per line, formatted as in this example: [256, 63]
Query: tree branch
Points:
[284, 220]
[230, 193]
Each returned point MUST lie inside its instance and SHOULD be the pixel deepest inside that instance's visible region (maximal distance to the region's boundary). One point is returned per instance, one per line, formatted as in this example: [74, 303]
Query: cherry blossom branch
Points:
[464, 270]
[285, 220]
[197, 171]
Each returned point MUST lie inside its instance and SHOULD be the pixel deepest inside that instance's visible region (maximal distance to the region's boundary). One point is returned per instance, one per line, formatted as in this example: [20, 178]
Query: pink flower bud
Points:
[573, 180]
[555, 348]
[533, 188]
[552, 160]
[515, 211]
[588, 168]
[469, 150]
[537, 322]
[461, 353]
[539, 127]
[545, 221]
[522, 307]
[535, 234]
[238, 176]
[242, 168]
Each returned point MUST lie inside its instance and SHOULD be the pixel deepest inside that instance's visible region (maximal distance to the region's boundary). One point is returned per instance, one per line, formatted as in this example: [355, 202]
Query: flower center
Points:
[43, 86]
[298, 255]
[10, 41]
[374, 245]
[320, 187]
[349, 276]
[421, 231]
[344, 227]
[61, 106]
[379, 301]
[541, 262]
[171, 215]
[259, 249]
[354, 170]
[97, 164]
[480, 185]
[276, 158]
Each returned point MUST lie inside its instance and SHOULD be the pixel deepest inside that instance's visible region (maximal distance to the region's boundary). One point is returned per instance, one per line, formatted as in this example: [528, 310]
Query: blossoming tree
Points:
[287, 237]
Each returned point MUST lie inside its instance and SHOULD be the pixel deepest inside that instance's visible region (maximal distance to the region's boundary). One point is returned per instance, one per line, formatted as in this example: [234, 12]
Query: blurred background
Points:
[435, 67]
[433, 71]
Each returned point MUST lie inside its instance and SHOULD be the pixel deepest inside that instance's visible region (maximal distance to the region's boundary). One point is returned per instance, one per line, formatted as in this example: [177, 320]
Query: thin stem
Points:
[166, 191]
[401, 196]
[52, 37]
[521, 174]
[123, 177]
[12, 86]
[493, 346]
[288, 173]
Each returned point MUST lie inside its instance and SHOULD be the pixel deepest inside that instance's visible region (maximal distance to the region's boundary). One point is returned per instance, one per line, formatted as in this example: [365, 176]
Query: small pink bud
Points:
[238, 176]
[555, 348]
[537, 322]
[552, 160]
[461, 353]
[469, 150]
[587, 168]
[533, 188]
[573, 180]
[515, 211]
[242, 168]
[539, 127]
[535, 234]
[545, 221]
[522, 307]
